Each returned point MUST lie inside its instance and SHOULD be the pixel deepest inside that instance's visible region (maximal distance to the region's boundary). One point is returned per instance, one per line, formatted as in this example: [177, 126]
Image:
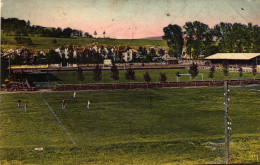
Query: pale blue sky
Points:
[130, 18]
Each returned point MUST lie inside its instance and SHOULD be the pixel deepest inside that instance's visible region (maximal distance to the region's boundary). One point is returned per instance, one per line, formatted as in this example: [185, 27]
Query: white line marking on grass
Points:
[58, 120]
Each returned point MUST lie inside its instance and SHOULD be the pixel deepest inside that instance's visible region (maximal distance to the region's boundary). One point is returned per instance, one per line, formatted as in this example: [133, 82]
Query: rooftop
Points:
[232, 56]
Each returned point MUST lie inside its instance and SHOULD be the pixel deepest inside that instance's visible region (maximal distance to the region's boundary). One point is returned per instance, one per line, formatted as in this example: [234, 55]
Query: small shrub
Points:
[130, 74]
[254, 68]
[80, 74]
[97, 73]
[193, 70]
[240, 72]
[54, 41]
[178, 74]
[212, 71]
[147, 77]
[22, 40]
[225, 68]
[114, 72]
[163, 77]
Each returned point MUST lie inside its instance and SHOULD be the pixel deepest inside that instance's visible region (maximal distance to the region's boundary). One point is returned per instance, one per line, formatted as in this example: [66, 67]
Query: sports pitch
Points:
[158, 126]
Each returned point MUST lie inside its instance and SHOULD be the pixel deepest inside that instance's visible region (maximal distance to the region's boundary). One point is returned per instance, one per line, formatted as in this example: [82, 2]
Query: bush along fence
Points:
[154, 85]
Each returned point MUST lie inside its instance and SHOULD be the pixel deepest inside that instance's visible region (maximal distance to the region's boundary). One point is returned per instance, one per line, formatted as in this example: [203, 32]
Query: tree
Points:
[225, 67]
[97, 73]
[178, 74]
[4, 71]
[104, 33]
[87, 35]
[193, 70]
[16, 60]
[114, 72]
[212, 71]
[163, 77]
[53, 58]
[147, 77]
[237, 37]
[80, 74]
[67, 32]
[240, 70]
[254, 71]
[63, 60]
[130, 74]
[28, 23]
[58, 32]
[173, 35]
[211, 49]
[71, 59]
[198, 37]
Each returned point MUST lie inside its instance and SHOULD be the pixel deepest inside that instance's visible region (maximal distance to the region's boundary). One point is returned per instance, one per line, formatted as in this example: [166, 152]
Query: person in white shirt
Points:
[63, 106]
[19, 104]
[88, 104]
[25, 107]
[74, 95]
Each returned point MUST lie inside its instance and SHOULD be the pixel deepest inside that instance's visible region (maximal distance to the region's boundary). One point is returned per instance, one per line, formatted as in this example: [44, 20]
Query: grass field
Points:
[46, 42]
[72, 77]
[159, 126]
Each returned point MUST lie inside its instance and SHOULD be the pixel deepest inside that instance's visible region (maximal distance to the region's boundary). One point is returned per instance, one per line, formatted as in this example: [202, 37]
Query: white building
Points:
[74, 54]
[107, 62]
[128, 55]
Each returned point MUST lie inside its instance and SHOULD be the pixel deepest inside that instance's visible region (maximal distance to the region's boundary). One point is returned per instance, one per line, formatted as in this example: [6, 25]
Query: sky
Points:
[130, 19]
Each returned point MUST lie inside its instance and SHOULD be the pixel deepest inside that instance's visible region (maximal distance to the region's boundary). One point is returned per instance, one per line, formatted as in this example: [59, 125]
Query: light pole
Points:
[228, 124]
[0, 71]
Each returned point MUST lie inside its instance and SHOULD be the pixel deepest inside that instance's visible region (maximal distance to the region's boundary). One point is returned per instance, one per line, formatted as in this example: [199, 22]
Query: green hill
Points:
[47, 42]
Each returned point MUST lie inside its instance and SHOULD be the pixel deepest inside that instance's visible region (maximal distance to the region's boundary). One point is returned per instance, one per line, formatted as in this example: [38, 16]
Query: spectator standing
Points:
[88, 104]
[63, 106]
[25, 107]
[19, 104]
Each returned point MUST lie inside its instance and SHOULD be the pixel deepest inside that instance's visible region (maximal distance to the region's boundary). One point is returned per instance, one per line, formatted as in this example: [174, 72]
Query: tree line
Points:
[130, 73]
[196, 38]
[14, 26]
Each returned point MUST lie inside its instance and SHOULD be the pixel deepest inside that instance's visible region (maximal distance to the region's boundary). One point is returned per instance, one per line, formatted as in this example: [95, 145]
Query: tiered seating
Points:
[19, 86]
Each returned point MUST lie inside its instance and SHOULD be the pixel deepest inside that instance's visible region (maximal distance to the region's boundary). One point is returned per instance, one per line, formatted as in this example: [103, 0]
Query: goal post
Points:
[178, 77]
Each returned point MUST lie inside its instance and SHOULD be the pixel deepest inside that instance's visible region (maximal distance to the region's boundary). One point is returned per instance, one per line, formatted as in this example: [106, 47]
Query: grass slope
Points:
[72, 77]
[130, 127]
[46, 42]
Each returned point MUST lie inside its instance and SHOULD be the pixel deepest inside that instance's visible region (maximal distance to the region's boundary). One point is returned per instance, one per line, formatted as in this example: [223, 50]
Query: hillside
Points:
[47, 42]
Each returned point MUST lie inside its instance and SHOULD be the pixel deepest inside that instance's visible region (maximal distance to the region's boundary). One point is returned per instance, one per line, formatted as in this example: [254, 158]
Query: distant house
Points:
[41, 56]
[108, 62]
[165, 57]
[62, 51]
[9, 52]
[128, 55]
[74, 54]
[235, 58]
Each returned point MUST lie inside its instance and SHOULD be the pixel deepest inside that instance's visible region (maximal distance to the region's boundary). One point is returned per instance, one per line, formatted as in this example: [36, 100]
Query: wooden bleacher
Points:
[18, 86]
